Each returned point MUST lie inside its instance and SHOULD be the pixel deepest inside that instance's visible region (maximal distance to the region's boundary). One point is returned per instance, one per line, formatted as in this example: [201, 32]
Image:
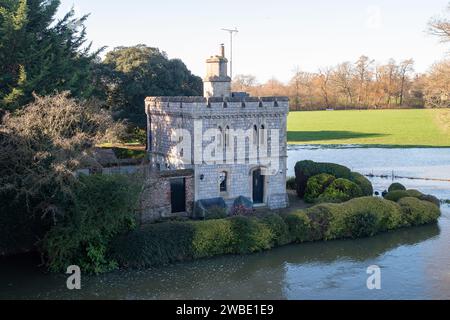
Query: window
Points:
[223, 180]
[255, 135]
[263, 135]
[227, 137]
[220, 137]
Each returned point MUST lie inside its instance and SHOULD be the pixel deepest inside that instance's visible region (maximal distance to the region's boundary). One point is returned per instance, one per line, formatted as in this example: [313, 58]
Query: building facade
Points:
[233, 144]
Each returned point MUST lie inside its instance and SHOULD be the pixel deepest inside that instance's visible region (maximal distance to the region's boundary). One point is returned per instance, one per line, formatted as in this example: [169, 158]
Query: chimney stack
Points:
[222, 50]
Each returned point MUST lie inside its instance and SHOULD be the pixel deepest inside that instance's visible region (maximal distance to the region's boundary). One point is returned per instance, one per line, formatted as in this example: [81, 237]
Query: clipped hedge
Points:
[416, 212]
[364, 183]
[340, 190]
[397, 195]
[317, 185]
[176, 241]
[396, 187]
[307, 169]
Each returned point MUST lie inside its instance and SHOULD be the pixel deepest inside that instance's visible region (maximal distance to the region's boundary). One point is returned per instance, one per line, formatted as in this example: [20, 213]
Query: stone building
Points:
[222, 145]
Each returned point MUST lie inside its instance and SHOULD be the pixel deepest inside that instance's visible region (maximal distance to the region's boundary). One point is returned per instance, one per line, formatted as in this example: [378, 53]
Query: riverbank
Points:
[419, 128]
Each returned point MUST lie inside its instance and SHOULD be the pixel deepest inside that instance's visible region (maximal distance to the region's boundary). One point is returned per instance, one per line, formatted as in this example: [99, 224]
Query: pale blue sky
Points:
[275, 36]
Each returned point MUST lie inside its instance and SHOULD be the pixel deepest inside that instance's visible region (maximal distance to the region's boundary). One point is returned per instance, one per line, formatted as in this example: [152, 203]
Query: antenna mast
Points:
[232, 32]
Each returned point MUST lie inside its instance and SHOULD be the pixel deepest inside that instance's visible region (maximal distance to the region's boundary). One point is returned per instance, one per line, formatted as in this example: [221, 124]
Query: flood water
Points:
[415, 263]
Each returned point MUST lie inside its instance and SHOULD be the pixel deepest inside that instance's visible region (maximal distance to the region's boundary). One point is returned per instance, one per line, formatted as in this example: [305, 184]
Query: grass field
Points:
[389, 128]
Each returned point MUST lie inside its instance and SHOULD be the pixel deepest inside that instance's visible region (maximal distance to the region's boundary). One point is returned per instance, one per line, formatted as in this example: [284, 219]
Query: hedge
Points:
[317, 185]
[364, 183]
[340, 190]
[396, 187]
[307, 169]
[400, 194]
[176, 241]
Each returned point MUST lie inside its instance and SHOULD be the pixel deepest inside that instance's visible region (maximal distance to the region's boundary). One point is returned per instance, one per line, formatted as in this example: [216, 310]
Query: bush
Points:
[216, 212]
[298, 225]
[103, 207]
[250, 235]
[363, 217]
[341, 190]
[399, 194]
[396, 187]
[291, 184]
[307, 169]
[242, 210]
[416, 212]
[212, 238]
[363, 183]
[278, 228]
[430, 198]
[316, 186]
[320, 217]
[154, 245]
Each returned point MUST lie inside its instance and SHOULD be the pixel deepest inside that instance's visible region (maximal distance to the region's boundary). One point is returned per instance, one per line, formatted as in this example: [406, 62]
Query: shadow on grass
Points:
[308, 136]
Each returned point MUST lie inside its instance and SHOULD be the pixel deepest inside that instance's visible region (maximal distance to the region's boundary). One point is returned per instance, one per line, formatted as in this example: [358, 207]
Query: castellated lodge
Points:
[223, 148]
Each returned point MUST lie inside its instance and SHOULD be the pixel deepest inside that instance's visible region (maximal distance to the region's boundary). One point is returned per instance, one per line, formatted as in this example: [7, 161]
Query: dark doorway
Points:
[178, 195]
[258, 187]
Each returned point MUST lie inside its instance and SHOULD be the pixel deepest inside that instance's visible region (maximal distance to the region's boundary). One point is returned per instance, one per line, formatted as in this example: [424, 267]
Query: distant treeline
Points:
[364, 84]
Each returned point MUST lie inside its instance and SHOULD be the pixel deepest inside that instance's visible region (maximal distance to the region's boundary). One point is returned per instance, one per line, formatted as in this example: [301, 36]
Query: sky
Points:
[275, 37]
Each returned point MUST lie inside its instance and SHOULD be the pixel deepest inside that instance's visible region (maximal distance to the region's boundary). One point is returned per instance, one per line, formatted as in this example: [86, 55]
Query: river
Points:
[415, 263]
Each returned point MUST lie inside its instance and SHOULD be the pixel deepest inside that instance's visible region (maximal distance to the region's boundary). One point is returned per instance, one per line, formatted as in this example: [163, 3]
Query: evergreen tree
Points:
[41, 55]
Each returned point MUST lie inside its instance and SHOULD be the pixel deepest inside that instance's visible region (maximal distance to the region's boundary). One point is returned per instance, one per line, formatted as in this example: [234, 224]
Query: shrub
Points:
[279, 229]
[298, 225]
[367, 216]
[242, 210]
[319, 217]
[430, 198]
[363, 183]
[212, 238]
[396, 187]
[291, 184]
[341, 190]
[103, 207]
[307, 169]
[416, 212]
[316, 186]
[399, 194]
[215, 213]
[250, 235]
[154, 245]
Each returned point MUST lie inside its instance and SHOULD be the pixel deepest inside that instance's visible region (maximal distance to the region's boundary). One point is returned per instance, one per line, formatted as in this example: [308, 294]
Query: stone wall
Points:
[156, 195]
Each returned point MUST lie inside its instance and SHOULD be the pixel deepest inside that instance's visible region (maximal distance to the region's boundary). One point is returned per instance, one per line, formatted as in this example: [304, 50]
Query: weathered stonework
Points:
[167, 115]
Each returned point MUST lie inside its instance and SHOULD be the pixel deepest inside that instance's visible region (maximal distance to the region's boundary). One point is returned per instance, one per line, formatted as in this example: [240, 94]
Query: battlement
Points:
[201, 105]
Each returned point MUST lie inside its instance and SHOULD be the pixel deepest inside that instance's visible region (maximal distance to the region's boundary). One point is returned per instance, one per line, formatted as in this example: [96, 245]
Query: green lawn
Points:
[390, 128]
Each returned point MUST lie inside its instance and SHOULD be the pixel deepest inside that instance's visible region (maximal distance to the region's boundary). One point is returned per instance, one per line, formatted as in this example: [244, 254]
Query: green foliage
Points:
[291, 184]
[340, 190]
[216, 212]
[299, 226]
[416, 212]
[307, 169]
[103, 207]
[251, 235]
[212, 238]
[396, 187]
[364, 183]
[317, 185]
[399, 194]
[130, 74]
[430, 198]
[47, 57]
[154, 245]
[362, 217]
[242, 210]
[278, 228]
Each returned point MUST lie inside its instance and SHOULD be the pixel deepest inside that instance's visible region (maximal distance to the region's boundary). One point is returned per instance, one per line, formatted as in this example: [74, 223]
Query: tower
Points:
[217, 83]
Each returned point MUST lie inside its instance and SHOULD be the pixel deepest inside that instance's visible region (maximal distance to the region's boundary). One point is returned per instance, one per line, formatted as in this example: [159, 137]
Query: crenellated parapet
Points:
[198, 106]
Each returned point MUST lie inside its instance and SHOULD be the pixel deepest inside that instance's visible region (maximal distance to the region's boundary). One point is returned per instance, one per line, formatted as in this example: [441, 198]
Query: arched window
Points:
[263, 136]
[220, 137]
[255, 135]
[223, 180]
[227, 137]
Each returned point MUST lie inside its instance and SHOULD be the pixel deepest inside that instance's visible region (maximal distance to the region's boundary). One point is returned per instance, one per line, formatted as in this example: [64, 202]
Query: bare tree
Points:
[405, 68]
[440, 27]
